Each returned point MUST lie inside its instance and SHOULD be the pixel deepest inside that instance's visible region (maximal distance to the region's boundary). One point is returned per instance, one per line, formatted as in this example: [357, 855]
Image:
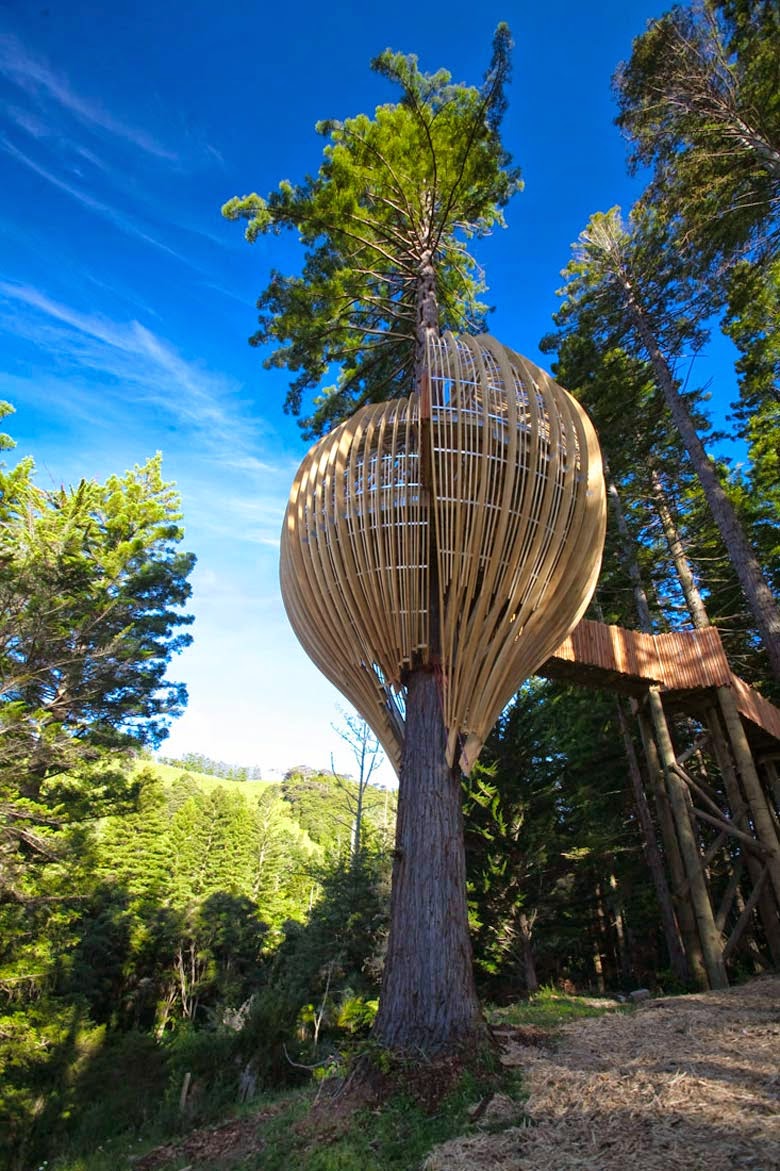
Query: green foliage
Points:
[397, 197]
[547, 1009]
[196, 762]
[551, 835]
[91, 589]
[699, 101]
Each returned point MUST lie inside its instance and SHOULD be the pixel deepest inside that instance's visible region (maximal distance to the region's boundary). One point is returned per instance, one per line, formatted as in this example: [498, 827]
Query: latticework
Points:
[459, 529]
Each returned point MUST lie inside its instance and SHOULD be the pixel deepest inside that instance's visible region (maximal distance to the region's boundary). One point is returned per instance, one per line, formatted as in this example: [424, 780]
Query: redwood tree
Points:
[385, 225]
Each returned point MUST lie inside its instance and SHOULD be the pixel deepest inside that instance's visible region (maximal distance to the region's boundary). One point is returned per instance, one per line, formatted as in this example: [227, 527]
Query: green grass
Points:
[168, 773]
[547, 1009]
[396, 1137]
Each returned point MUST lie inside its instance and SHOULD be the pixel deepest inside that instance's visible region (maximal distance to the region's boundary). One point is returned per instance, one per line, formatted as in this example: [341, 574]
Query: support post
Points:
[766, 906]
[683, 909]
[674, 946]
[751, 785]
[711, 942]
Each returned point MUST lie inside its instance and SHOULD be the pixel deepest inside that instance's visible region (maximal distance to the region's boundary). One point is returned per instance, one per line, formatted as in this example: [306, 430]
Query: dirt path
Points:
[689, 1082]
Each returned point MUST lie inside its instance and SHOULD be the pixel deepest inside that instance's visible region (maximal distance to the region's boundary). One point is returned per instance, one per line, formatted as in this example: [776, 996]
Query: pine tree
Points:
[385, 223]
[625, 287]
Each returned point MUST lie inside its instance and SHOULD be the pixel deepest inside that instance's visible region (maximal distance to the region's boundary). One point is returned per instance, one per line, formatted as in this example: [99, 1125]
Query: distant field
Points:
[170, 772]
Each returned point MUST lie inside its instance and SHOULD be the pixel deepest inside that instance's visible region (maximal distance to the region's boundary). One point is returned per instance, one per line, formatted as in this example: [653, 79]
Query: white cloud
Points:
[134, 356]
[117, 217]
[37, 78]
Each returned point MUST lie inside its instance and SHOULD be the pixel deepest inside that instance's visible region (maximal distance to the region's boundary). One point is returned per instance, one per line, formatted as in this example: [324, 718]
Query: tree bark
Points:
[682, 565]
[428, 1003]
[711, 941]
[529, 965]
[677, 960]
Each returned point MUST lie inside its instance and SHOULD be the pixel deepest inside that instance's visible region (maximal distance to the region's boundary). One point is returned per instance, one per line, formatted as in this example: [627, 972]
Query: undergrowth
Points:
[316, 1129]
[548, 1009]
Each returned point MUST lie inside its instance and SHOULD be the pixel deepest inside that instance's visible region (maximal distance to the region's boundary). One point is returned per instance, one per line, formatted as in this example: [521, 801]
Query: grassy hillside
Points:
[169, 772]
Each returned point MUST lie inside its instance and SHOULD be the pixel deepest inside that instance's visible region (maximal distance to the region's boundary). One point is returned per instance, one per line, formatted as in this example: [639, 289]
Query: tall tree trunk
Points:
[758, 594]
[618, 911]
[600, 940]
[677, 960]
[428, 1001]
[691, 592]
[529, 964]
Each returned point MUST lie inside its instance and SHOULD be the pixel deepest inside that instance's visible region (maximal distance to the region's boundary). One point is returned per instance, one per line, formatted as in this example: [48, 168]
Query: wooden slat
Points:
[755, 708]
[515, 517]
[681, 660]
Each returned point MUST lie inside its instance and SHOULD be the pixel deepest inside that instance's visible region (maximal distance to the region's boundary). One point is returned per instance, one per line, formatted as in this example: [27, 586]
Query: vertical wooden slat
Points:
[516, 510]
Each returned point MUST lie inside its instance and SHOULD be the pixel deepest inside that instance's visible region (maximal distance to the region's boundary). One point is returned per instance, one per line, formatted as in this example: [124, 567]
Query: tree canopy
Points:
[700, 103]
[91, 589]
[393, 206]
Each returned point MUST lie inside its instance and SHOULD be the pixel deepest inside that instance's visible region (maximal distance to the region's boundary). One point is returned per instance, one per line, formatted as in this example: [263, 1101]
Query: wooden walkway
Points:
[686, 665]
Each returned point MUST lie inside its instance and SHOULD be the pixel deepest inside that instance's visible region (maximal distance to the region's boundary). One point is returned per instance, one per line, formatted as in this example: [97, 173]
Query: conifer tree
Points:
[385, 224]
[626, 287]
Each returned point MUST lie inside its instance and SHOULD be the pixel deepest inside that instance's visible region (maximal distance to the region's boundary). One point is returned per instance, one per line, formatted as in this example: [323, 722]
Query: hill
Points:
[206, 781]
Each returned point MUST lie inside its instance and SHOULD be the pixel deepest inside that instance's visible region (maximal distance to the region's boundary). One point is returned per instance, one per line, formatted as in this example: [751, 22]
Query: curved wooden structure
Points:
[459, 529]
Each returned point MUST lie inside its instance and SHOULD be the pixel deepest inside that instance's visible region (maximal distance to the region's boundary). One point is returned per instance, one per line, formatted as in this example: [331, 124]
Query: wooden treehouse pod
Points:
[459, 529]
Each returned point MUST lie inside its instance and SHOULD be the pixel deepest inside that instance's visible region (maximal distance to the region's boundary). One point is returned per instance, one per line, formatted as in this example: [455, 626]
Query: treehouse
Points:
[458, 529]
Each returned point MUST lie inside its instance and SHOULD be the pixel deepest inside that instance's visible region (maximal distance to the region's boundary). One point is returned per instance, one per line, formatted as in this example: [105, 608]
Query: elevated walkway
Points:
[688, 665]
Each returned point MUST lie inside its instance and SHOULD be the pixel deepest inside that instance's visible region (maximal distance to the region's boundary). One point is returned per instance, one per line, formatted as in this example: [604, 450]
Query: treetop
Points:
[395, 200]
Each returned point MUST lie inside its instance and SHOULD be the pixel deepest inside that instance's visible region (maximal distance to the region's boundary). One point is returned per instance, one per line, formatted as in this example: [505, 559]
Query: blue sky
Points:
[126, 301]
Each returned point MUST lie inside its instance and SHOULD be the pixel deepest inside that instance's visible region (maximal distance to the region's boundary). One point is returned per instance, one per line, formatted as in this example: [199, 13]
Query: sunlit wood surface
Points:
[460, 530]
[686, 664]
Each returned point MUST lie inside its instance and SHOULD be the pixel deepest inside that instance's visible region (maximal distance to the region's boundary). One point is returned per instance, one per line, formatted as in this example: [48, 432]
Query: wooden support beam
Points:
[767, 904]
[711, 942]
[728, 827]
[729, 895]
[751, 785]
[674, 945]
[682, 904]
[744, 919]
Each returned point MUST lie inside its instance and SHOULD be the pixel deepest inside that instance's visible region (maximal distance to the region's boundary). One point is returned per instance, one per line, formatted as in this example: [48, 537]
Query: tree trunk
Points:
[627, 554]
[711, 941]
[600, 941]
[677, 960]
[529, 965]
[682, 565]
[758, 594]
[428, 1002]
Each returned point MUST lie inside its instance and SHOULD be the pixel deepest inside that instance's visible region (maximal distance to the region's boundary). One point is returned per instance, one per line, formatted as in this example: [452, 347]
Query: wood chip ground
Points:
[687, 1082]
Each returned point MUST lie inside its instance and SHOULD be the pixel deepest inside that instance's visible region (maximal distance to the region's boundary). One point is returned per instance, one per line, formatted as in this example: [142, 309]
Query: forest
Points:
[180, 935]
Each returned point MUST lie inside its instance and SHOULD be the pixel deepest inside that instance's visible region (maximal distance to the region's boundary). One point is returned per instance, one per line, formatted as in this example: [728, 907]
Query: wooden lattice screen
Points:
[476, 506]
